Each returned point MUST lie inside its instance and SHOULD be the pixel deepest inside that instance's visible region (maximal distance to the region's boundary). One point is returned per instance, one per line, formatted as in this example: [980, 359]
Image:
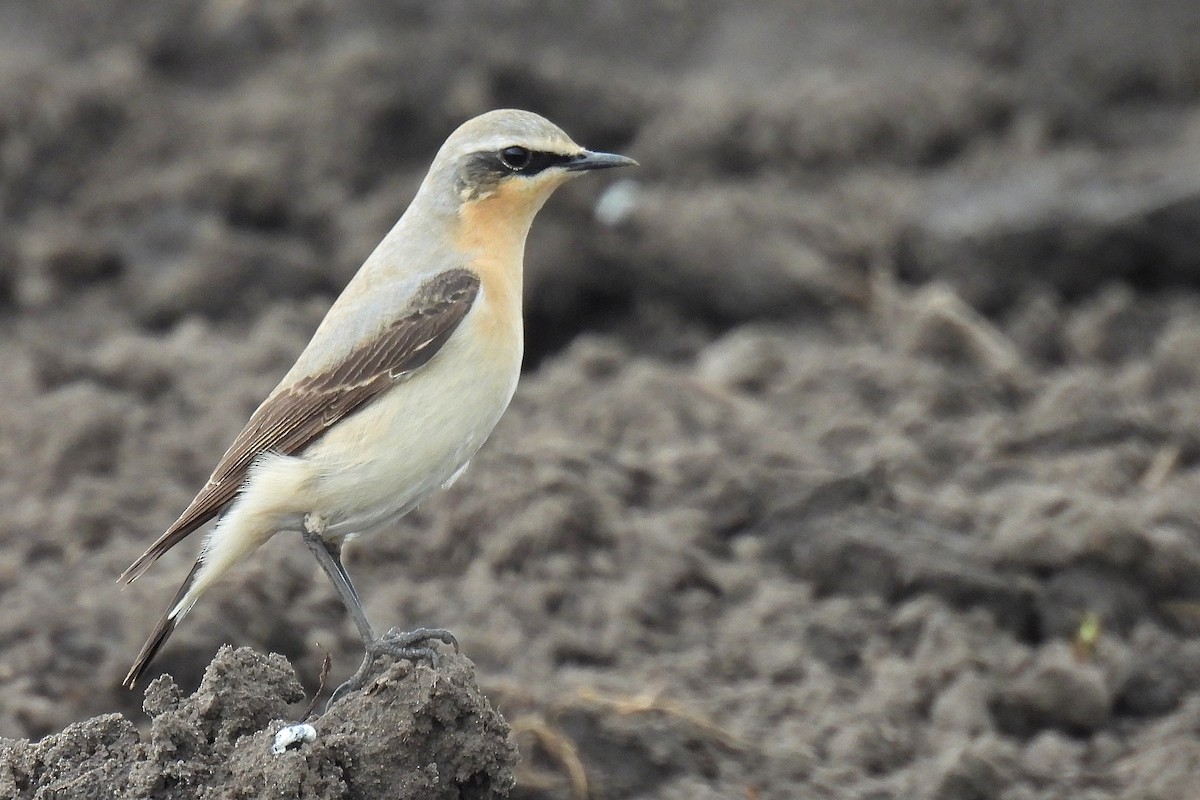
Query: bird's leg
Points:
[398, 644]
[329, 556]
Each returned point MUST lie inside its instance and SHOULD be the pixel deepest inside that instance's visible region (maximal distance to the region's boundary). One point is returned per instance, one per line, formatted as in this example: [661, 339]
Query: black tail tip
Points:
[149, 650]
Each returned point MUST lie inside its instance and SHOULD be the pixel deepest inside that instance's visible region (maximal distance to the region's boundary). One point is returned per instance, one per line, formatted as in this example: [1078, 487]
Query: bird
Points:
[402, 382]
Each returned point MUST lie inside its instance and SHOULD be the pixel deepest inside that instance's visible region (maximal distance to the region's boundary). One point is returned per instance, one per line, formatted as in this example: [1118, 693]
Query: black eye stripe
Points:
[541, 161]
[537, 162]
[482, 171]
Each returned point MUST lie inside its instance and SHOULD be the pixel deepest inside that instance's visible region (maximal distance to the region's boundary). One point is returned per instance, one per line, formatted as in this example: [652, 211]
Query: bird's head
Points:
[512, 159]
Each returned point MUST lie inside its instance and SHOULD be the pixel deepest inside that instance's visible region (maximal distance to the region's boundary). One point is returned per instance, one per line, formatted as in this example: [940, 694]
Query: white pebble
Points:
[291, 735]
[617, 203]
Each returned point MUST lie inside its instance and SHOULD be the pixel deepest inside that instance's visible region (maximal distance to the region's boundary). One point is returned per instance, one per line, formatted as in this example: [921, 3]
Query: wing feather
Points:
[293, 418]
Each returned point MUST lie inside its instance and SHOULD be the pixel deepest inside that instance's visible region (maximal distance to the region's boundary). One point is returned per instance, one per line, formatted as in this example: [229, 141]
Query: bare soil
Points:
[857, 453]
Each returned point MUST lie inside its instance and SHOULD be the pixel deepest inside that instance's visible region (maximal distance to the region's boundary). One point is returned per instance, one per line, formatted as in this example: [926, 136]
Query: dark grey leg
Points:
[329, 556]
[395, 643]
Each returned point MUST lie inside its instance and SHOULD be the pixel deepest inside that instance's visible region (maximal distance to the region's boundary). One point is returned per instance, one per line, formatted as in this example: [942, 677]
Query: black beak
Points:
[588, 160]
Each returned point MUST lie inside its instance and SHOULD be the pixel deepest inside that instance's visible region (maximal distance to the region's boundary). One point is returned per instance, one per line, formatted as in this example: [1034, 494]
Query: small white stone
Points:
[617, 203]
[290, 735]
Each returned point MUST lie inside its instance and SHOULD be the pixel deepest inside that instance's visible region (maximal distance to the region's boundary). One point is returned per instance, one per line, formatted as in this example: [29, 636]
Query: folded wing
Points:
[296, 416]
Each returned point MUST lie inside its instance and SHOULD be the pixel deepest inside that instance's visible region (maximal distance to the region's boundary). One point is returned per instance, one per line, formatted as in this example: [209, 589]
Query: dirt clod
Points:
[418, 732]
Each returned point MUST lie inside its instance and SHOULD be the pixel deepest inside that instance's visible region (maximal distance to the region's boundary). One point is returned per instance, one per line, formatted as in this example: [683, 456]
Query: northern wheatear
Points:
[402, 382]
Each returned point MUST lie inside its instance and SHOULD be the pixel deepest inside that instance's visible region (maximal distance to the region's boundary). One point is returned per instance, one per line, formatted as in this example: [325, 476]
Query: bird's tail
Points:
[162, 631]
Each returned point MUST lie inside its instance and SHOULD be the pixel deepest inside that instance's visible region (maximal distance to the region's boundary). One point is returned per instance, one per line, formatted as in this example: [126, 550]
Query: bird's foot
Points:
[413, 645]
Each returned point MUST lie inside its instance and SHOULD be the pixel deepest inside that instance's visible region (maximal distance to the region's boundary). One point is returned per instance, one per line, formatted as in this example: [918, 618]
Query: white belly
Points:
[377, 464]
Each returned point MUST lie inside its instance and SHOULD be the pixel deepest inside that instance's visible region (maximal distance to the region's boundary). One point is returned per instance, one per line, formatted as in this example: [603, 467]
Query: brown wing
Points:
[295, 417]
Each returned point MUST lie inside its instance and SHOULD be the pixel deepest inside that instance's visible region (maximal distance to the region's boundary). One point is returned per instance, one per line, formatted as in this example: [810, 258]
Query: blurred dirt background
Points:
[858, 449]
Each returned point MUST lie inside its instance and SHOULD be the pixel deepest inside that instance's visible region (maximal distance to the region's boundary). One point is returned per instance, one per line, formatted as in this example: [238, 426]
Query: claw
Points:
[410, 638]
[397, 644]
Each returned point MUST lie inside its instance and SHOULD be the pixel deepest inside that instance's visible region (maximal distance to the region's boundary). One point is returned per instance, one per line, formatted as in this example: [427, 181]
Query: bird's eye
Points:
[515, 158]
